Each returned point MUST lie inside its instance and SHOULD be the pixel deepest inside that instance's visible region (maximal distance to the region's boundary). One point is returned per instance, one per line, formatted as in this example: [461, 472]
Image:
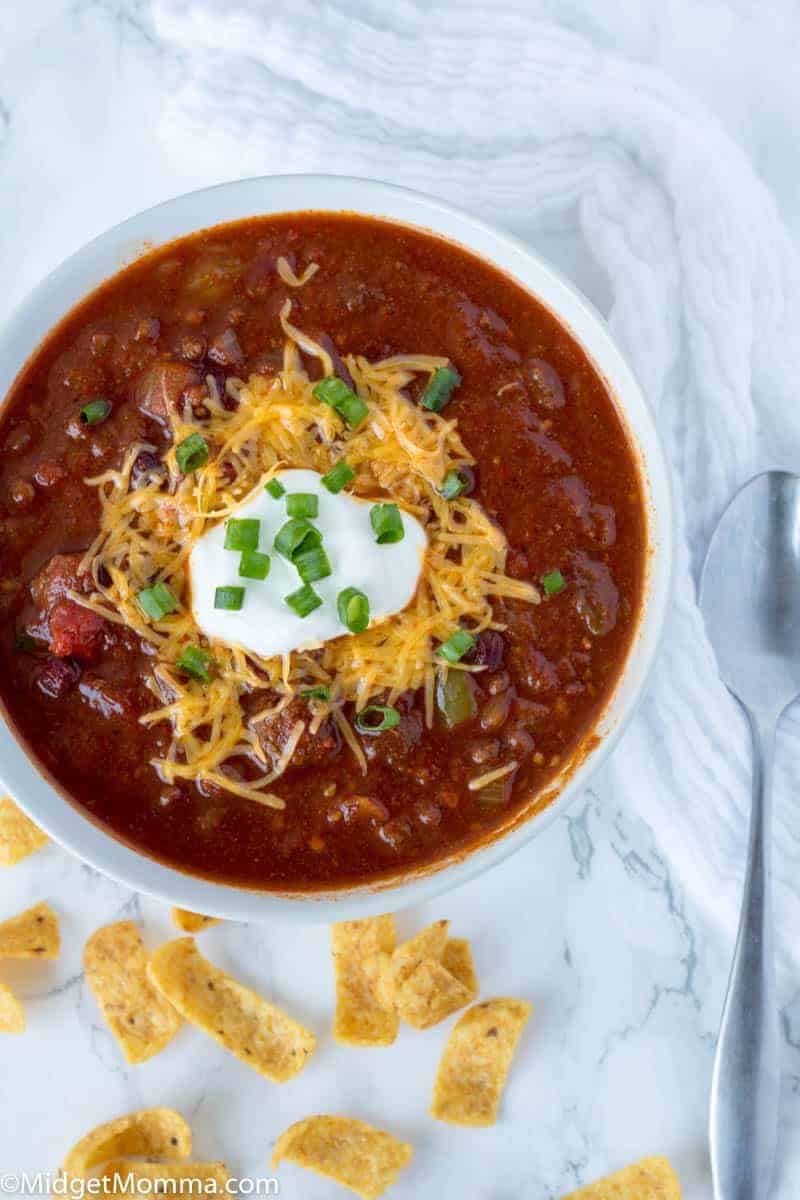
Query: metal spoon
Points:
[750, 598]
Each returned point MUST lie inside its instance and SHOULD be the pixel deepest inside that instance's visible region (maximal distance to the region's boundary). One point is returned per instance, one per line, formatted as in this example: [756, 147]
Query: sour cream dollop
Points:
[265, 624]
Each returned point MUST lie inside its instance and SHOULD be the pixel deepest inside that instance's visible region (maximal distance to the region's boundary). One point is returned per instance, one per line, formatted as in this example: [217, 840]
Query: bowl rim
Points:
[111, 251]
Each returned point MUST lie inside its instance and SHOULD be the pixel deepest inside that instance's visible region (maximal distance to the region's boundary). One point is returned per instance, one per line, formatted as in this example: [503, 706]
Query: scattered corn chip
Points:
[32, 934]
[364, 1016]
[457, 958]
[355, 1154]
[428, 943]
[19, 837]
[191, 922]
[140, 1018]
[650, 1179]
[428, 977]
[378, 970]
[151, 1133]
[126, 1177]
[429, 994]
[12, 1016]
[257, 1032]
[476, 1061]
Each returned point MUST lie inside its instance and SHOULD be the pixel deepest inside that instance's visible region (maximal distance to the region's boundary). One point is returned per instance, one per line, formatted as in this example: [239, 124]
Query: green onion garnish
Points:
[335, 392]
[275, 488]
[230, 598]
[353, 608]
[242, 534]
[456, 646]
[377, 718]
[24, 643]
[95, 411]
[318, 692]
[157, 601]
[197, 662]
[441, 384]
[253, 565]
[302, 504]
[304, 600]
[454, 484]
[387, 523]
[192, 453]
[353, 410]
[553, 583]
[298, 534]
[312, 564]
[338, 477]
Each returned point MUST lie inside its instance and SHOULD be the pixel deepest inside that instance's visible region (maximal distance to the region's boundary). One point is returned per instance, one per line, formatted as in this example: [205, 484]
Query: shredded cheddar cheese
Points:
[148, 528]
[288, 275]
[482, 781]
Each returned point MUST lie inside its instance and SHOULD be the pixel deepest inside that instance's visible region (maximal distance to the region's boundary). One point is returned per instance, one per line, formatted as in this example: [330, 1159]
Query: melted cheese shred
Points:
[288, 276]
[147, 529]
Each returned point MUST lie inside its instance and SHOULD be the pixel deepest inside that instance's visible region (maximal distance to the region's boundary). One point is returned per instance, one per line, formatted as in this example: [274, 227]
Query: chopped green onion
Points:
[377, 718]
[302, 504]
[230, 598]
[192, 453]
[318, 692]
[197, 662]
[253, 565]
[275, 488]
[454, 484]
[95, 411]
[24, 643]
[331, 391]
[338, 395]
[353, 608]
[157, 601]
[456, 646]
[441, 384]
[387, 523]
[304, 600]
[338, 477]
[242, 534]
[553, 583]
[353, 410]
[312, 564]
[295, 536]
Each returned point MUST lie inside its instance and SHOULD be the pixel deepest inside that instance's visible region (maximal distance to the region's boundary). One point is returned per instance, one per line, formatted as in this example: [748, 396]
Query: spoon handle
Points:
[746, 1083]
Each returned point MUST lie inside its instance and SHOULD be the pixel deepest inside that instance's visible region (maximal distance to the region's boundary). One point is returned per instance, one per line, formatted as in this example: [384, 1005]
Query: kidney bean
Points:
[495, 713]
[484, 750]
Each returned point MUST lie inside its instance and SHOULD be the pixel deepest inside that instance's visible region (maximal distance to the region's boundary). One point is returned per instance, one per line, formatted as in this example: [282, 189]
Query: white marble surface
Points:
[599, 921]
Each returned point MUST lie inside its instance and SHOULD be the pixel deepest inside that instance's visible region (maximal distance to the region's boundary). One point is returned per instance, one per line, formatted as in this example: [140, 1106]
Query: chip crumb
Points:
[650, 1179]
[140, 1018]
[19, 836]
[364, 1015]
[258, 1033]
[360, 1157]
[476, 1061]
[192, 922]
[31, 934]
[12, 1014]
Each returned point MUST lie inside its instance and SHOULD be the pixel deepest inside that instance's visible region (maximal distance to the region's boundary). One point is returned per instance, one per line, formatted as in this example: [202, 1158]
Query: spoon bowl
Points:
[750, 592]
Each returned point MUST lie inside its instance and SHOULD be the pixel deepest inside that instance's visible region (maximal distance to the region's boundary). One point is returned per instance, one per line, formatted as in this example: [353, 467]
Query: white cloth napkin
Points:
[535, 129]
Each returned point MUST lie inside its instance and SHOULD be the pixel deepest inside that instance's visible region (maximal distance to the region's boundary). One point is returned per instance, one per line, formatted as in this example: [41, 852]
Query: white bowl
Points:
[101, 258]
